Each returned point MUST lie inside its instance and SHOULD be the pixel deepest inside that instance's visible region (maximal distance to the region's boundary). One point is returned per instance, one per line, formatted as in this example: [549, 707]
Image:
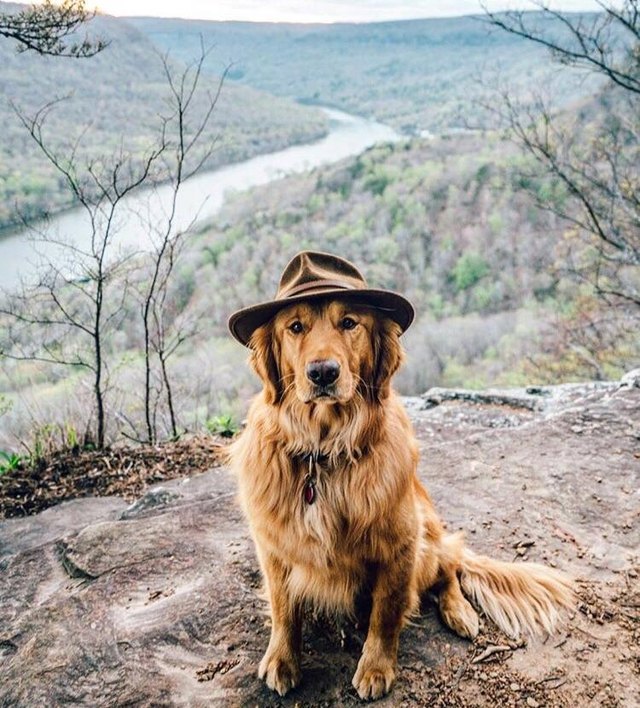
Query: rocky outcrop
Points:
[104, 603]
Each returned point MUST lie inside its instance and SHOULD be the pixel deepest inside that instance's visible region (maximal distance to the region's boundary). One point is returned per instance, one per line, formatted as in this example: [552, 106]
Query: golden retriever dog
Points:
[327, 479]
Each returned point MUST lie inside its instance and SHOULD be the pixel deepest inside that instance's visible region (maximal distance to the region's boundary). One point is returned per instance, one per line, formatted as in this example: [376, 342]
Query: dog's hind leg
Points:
[439, 562]
[280, 666]
[456, 611]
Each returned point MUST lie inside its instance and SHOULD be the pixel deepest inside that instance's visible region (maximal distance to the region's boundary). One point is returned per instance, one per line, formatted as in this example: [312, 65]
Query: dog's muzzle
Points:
[323, 373]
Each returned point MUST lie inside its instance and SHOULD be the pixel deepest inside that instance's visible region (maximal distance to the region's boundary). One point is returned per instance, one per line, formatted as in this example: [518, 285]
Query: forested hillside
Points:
[451, 222]
[117, 97]
[415, 75]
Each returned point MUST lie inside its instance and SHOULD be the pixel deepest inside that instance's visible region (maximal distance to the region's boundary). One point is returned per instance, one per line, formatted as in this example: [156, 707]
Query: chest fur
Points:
[307, 513]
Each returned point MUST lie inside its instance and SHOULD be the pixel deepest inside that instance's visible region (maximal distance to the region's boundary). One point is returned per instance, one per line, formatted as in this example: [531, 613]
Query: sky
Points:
[319, 10]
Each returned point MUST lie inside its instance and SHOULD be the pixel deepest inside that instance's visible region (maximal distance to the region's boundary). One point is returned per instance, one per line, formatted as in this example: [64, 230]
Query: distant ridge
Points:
[417, 75]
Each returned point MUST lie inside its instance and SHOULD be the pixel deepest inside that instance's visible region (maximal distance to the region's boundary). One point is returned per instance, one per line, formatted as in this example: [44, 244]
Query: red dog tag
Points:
[310, 492]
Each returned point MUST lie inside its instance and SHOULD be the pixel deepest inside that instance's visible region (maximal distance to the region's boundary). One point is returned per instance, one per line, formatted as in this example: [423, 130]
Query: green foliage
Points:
[71, 436]
[10, 461]
[482, 174]
[223, 424]
[49, 438]
[456, 375]
[356, 168]
[496, 222]
[485, 297]
[184, 288]
[5, 404]
[377, 182]
[469, 269]
[43, 442]
[316, 203]
[553, 192]
[215, 250]
[436, 305]
[386, 249]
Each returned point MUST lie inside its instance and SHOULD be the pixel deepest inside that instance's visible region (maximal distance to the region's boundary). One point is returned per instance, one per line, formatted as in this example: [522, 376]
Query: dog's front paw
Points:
[280, 673]
[373, 679]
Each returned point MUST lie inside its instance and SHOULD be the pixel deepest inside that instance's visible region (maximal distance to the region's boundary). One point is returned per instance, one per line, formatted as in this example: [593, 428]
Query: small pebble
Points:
[515, 686]
[532, 703]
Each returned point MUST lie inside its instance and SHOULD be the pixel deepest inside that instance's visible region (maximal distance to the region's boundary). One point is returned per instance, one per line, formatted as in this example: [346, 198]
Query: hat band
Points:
[315, 285]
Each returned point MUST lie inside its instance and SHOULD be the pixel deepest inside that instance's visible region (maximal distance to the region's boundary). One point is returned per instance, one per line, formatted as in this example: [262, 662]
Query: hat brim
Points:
[243, 323]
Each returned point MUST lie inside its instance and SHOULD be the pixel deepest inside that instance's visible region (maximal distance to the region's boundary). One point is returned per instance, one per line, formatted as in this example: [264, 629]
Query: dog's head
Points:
[327, 352]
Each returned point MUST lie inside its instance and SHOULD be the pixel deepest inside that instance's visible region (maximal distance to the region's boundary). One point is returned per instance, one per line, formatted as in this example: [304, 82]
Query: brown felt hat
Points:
[312, 276]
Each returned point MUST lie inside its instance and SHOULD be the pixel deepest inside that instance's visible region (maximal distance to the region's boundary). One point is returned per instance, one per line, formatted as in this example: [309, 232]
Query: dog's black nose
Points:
[323, 372]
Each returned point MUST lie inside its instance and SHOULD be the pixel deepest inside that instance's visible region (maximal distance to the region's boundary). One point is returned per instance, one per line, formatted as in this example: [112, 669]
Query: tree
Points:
[607, 42]
[76, 305]
[592, 161]
[162, 337]
[51, 29]
[71, 306]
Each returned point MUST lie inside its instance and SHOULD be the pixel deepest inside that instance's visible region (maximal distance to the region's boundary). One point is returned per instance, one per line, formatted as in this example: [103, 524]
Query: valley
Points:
[441, 204]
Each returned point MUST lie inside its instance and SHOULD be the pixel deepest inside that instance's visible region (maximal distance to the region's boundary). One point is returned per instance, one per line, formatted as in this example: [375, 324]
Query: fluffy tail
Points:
[521, 598]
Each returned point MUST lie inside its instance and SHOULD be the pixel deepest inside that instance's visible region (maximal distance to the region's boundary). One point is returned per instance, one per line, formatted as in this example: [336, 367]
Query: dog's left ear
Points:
[387, 355]
[264, 361]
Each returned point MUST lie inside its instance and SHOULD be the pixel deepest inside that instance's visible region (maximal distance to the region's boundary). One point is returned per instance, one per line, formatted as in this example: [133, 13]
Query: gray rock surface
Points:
[156, 603]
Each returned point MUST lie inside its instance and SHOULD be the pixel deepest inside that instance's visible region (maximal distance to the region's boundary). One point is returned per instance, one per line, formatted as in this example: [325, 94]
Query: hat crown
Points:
[314, 276]
[313, 270]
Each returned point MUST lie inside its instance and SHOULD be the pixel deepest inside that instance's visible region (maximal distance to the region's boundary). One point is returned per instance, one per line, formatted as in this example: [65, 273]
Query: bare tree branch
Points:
[588, 45]
[51, 29]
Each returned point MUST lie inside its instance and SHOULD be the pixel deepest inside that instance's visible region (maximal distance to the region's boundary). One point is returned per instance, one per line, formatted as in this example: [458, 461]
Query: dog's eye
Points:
[296, 327]
[348, 323]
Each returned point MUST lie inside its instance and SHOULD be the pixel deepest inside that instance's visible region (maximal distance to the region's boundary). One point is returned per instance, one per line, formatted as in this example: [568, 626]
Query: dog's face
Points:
[324, 351]
[327, 352]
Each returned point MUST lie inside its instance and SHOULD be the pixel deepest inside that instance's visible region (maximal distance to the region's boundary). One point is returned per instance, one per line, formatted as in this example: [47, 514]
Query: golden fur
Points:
[372, 523]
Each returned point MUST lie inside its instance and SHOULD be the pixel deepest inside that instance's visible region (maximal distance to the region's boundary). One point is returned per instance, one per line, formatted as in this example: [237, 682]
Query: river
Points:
[200, 197]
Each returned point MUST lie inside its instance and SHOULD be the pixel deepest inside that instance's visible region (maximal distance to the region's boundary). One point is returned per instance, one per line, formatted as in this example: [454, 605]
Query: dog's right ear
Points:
[264, 361]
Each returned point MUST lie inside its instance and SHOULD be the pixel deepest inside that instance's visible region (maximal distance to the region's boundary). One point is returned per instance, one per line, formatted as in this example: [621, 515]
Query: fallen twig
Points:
[553, 687]
[588, 634]
[490, 651]
[525, 543]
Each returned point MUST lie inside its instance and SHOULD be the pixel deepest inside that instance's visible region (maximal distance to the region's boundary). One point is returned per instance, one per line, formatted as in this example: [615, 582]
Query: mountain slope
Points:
[120, 92]
[416, 75]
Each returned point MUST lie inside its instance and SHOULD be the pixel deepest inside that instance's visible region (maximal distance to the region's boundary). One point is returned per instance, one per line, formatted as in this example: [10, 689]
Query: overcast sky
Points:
[319, 10]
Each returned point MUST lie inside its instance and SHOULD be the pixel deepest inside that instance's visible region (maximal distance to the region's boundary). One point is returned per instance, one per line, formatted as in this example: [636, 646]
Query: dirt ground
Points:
[103, 602]
[559, 485]
[121, 471]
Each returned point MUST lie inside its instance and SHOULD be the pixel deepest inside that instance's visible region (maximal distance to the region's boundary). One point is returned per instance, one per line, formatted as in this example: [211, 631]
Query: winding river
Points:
[200, 197]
